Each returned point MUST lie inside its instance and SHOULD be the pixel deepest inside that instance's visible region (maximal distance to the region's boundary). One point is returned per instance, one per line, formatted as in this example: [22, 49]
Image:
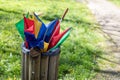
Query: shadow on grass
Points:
[103, 58]
[111, 73]
[7, 11]
[108, 72]
[52, 17]
[86, 64]
[82, 62]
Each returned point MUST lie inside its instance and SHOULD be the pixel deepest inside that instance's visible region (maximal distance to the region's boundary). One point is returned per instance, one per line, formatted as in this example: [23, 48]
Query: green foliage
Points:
[117, 2]
[77, 52]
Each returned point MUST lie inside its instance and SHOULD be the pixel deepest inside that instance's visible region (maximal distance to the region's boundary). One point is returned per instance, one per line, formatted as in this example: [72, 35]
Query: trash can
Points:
[39, 66]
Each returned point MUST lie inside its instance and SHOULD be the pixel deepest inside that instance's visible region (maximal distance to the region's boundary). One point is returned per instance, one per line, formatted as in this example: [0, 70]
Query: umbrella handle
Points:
[64, 14]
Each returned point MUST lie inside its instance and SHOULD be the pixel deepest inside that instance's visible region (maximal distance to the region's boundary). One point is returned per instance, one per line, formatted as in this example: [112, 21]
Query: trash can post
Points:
[53, 67]
[35, 58]
[30, 67]
[22, 66]
[57, 65]
[26, 66]
[44, 67]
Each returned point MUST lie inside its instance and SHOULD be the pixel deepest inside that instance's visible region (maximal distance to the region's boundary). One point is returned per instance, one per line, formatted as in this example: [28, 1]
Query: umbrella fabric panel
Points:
[42, 32]
[50, 28]
[55, 39]
[28, 25]
[33, 42]
[20, 27]
[37, 23]
[56, 30]
[61, 40]
[26, 44]
[34, 32]
[37, 17]
[40, 28]
[45, 47]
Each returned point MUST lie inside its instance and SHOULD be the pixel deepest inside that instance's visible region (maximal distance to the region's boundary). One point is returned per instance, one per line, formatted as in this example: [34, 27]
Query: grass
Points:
[117, 2]
[77, 60]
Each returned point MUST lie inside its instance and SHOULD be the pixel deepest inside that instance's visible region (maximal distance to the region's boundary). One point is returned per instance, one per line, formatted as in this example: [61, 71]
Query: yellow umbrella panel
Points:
[37, 23]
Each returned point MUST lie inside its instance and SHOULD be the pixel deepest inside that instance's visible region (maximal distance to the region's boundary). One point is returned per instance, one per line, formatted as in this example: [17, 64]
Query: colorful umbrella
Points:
[37, 34]
[55, 39]
[33, 42]
[42, 31]
[37, 23]
[56, 30]
[50, 28]
[30, 33]
[61, 40]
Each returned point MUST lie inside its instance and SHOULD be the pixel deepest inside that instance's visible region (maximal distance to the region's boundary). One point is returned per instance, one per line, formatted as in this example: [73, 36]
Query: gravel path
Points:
[108, 16]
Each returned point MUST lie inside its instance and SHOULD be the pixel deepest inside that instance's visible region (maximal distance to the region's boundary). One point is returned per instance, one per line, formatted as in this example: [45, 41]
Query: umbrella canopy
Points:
[40, 27]
[31, 29]
[20, 27]
[37, 23]
[50, 28]
[61, 40]
[55, 39]
[33, 42]
[42, 31]
[56, 30]
[36, 34]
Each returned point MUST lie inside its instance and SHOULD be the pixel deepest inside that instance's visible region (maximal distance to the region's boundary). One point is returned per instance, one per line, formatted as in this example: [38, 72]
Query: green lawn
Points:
[77, 60]
[117, 2]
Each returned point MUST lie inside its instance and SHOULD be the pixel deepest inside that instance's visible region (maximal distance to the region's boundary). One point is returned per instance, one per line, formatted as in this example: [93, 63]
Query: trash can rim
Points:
[48, 53]
[24, 49]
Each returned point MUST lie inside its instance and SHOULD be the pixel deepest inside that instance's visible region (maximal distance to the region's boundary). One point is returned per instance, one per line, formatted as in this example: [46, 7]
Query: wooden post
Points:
[44, 67]
[53, 66]
[57, 65]
[30, 67]
[35, 69]
[23, 60]
[26, 66]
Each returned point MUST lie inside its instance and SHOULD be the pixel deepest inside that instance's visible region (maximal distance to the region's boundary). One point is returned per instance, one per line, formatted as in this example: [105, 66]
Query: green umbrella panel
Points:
[20, 26]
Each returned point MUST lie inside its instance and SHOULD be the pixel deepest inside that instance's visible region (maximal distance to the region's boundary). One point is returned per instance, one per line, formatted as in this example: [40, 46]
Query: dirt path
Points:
[108, 16]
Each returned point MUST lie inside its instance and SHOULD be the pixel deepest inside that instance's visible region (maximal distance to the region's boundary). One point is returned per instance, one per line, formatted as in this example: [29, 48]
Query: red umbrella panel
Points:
[56, 30]
[29, 25]
[55, 39]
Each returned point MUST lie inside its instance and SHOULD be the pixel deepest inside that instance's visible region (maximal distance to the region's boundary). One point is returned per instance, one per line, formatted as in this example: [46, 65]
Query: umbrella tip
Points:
[38, 14]
[70, 28]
